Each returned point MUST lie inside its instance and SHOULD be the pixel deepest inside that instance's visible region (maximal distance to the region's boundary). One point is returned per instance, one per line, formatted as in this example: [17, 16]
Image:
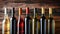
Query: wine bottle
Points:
[51, 23]
[27, 22]
[43, 22]
[35, 22]
[20, 23]
[6, 23]
[13, 24]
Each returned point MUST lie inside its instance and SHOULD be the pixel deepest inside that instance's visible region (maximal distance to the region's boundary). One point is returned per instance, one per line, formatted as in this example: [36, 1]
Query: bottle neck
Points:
[36, 15]
[5, 13]
[43, 12]
[35, 12]
[50, 12]
[50, 15]
[7, 16]
[27, 15]
[43, 15]
[27, 11]
[20, 11]
[13, 12]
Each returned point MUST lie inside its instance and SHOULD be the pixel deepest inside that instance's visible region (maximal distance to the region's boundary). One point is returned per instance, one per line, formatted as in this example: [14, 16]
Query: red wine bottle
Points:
[27, 21]
[43, 22]
[13, 27]
[51, 23]
[20, 23]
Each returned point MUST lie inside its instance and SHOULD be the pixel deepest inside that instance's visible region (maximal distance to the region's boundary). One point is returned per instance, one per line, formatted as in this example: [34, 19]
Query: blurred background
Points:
[55, 4]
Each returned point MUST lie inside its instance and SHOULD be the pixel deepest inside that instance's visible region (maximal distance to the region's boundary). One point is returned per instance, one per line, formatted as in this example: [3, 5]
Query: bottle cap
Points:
[20, 11]
[35, 11]
[27, 10]
[5, 10]
[43, 10]
[50, 10]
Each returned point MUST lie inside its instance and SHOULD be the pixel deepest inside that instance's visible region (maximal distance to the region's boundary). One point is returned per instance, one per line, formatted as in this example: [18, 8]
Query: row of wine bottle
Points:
[28, 25]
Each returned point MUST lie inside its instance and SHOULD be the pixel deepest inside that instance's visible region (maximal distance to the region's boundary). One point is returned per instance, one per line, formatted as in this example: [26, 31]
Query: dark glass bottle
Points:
[27, 22]
[43, 22]
[51, 23]
[20, 22]
[13, 24]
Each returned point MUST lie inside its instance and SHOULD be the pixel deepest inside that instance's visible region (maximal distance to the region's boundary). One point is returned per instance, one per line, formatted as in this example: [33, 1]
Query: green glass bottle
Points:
[35, 22]
[51, 23]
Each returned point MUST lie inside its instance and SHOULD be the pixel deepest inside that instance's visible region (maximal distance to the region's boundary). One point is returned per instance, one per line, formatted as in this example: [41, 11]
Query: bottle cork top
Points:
[27, 10]
[5, 10]
[43, 10]
[50, 10]
[20, 11]
[13, 10]
[35, 12]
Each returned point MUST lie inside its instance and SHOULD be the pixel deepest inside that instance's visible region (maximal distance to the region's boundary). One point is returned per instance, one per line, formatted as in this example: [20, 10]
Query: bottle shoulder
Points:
[3, 21]
[43, 17]
[28, 17]
[50, 18]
